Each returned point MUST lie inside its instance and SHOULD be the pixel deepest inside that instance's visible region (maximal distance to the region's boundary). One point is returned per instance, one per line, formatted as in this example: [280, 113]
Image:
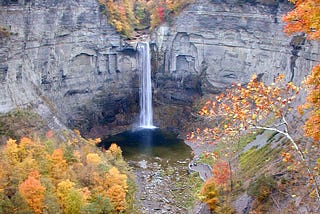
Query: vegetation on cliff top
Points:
[127, 16]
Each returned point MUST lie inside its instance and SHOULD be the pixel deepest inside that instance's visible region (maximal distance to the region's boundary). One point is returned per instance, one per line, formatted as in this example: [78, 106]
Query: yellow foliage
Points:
[114, 177]
[114, 150]
[63, 189]
[77, 132]
[94, 141]
[117, 196]
[58, 164]
[70, 198]
[12, 151]
[93, 158]
[72, 185]
[210, 194]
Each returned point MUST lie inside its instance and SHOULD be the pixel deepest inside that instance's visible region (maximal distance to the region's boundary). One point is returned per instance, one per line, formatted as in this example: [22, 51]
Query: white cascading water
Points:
[144, 60]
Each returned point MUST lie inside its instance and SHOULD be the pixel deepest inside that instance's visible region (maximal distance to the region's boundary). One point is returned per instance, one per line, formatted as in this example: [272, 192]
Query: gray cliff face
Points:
[64, 55]
[220, 42]
[64, 60]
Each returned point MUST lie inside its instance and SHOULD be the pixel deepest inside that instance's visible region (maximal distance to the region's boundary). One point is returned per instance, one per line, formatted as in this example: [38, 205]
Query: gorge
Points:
[68, 61]
[64, 61]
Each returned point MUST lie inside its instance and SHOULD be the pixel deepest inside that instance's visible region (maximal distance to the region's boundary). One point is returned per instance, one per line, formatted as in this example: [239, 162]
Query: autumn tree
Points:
[305, 18]
[117, 196]
[255, 105]
[93, 158]
[312, 125]
[76, 177]
[114, 186]
[58, 165]
[33, 192]
[71, 198]
[130, 15]
[245, 107]
[210, 194]
[221, 173]
[114, 151]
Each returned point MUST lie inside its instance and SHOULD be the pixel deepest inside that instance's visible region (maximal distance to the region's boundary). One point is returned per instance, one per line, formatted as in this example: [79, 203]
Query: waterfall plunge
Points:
[144, 60]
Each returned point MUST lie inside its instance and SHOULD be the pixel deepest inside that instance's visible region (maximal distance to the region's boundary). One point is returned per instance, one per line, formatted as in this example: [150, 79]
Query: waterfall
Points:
[144, 60]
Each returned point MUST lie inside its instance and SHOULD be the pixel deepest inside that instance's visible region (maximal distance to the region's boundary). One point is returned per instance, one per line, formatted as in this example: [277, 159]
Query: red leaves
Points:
[161, 11]
[221, 173]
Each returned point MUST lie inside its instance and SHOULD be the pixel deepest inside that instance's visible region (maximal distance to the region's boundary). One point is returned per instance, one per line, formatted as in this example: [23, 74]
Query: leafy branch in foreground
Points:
[255, 106]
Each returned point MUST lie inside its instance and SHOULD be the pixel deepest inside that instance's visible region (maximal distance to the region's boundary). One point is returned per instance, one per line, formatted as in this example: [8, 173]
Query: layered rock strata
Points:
[63, 59]
[64, 55]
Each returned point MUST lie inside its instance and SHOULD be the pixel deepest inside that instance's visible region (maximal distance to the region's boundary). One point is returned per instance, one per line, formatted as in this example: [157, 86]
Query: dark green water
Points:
[149, 143]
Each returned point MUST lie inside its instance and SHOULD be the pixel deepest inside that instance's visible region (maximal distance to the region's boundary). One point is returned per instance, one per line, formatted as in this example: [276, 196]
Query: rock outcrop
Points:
[222, 41]
[63, 59]
[64, 55]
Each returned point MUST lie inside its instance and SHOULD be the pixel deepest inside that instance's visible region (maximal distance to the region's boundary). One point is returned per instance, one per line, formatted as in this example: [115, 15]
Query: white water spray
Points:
[144, 60]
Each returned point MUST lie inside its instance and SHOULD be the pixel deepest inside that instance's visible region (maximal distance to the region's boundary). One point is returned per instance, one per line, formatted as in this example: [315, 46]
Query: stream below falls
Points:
[160, 163]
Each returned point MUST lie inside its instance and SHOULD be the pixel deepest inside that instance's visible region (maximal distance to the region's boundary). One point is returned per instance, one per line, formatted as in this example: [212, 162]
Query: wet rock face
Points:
[220, 42]
[65, 55]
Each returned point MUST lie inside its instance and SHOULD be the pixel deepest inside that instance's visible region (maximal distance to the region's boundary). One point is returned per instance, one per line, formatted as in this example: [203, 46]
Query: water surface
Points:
[150, 143]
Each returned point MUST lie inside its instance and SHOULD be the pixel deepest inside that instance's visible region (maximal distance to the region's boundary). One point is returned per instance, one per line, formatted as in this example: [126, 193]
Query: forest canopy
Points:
[50, 176]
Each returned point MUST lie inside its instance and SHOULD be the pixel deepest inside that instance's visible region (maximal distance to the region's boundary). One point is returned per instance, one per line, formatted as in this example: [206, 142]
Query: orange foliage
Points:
[221, 173]
[33, 192]
[312, 125]
[305, 17]
[114, 186]
[69, 172]
[286, 157]
[247, 107]
[126, 15]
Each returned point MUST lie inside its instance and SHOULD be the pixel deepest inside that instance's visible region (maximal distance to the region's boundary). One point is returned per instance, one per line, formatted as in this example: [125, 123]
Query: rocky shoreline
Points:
[166, 186]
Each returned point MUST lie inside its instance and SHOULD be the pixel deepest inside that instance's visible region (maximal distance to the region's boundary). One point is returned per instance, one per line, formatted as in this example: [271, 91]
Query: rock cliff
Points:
[63, 55]
[223, 41]
[214, 43]
[63, 59]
